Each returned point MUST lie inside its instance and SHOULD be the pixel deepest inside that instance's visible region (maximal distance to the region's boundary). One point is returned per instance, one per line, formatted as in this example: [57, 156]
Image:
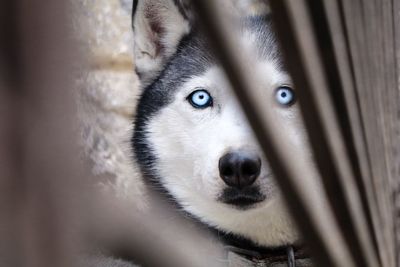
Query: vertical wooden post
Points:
[39, 159]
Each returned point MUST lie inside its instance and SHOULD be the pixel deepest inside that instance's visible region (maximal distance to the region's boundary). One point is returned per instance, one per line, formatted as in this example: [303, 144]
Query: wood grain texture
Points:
[365, 92]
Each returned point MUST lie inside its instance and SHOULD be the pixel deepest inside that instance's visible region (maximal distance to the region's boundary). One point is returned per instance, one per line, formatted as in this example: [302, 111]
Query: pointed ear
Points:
[158, 27]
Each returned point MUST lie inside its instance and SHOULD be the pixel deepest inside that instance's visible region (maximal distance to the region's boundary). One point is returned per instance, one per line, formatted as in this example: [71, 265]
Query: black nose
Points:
[239, 169]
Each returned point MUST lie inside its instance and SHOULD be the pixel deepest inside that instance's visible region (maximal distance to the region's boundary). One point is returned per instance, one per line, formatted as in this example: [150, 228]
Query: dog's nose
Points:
[239, 169]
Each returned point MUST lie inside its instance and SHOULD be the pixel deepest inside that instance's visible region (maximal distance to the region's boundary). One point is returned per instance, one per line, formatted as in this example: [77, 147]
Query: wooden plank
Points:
[314, 55]
[10, 196]
[44, 186]
[354, 28]
[38, 143]
[321, 242]
[376, 83]
[396, 127]
[353, 126]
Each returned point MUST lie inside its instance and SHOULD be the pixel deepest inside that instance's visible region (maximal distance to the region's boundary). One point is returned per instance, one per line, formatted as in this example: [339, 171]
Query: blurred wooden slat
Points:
[373, 54]
[43, 180]
[38, 148]
[370, 86]
[9, 194]
[325, 243]
[395, 122]
[309, 53]
[351, 125]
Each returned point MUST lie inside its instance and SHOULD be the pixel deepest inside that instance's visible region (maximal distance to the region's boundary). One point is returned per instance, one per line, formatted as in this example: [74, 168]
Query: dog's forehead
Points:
[257, 31]
[194, 58]
[194, 55]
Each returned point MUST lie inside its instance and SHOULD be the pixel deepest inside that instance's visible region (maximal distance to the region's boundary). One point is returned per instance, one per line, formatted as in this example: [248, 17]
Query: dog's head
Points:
[191, 137]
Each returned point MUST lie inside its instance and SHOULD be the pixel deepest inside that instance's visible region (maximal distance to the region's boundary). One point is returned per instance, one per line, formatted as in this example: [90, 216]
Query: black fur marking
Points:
[191, 58]
[134, 7]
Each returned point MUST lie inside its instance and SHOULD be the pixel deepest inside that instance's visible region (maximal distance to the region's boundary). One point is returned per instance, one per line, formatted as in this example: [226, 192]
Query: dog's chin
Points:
[244, 199]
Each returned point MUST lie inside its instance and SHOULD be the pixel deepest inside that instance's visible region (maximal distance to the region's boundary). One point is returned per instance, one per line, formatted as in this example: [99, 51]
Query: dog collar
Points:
[284, 256]
[242, 252]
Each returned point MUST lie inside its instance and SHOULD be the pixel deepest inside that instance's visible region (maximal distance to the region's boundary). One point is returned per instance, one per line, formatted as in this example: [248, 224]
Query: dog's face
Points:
[205, 147]
[193, 140]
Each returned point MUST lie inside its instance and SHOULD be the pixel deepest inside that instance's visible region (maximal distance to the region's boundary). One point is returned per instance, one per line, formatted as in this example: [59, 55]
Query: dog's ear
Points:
[158, 27]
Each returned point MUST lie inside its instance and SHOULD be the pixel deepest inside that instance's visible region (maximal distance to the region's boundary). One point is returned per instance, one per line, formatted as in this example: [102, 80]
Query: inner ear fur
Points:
[158, 27]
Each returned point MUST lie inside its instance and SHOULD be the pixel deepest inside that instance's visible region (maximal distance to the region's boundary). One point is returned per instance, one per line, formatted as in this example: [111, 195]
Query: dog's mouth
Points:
[242, 198]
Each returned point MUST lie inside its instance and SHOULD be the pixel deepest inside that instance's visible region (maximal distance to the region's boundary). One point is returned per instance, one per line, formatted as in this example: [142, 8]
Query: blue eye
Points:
[284, 95]
[200, 99]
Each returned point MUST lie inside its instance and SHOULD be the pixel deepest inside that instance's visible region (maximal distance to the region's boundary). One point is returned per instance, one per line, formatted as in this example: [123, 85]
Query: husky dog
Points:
[191, 138]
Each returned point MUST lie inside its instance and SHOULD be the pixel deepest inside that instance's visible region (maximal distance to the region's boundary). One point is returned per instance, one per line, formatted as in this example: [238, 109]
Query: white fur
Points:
[188, 143]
